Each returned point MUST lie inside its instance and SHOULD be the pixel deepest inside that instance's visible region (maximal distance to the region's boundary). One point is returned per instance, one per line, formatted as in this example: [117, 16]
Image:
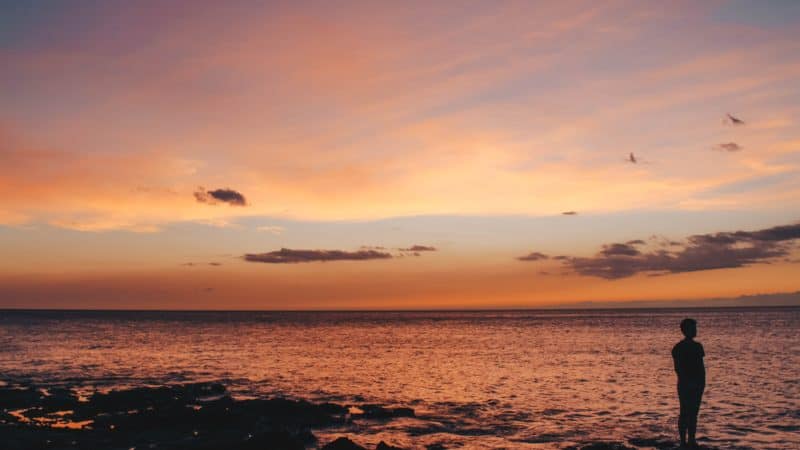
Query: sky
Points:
[384, 155]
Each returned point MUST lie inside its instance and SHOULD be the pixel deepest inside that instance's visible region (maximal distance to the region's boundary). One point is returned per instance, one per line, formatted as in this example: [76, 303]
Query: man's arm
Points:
[702, 363]
[675, 360]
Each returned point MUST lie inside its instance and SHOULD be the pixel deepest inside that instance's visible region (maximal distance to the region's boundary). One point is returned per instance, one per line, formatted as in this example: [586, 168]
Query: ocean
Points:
[475, 379]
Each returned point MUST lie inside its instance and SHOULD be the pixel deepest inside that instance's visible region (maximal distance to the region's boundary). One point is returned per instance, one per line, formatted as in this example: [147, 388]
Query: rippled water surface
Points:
[515, 379]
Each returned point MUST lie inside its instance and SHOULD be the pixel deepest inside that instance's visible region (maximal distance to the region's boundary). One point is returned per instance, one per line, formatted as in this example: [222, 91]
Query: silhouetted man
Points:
[688, 357]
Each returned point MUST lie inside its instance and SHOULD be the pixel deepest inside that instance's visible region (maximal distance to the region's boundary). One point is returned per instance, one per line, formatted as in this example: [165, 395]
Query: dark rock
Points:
[306, 437]
[342, 443]
[660, 444]
[299, 413]
[13, 437]
[154, 397]
[384, 446]
[380, 412]
[195, 416]
[435, 447]
[59, 400]
[11, 398]
[606, 446]
[276, 440]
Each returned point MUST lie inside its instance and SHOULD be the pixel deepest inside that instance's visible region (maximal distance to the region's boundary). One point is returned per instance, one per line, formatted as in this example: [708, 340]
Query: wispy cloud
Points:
[569, 213]
[218, 223]
[291, 256]
[533, 256]
[272, 229]
[728, 147]
[418, 248]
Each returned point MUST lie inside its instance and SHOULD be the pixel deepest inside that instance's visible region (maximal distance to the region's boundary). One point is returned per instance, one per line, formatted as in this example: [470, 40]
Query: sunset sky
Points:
[403, 154]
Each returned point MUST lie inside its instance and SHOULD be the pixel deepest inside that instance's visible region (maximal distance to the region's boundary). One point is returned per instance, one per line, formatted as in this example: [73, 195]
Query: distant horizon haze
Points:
[777, 300]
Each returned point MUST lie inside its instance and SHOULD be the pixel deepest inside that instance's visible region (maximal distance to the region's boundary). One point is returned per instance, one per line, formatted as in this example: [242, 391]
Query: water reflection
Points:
[505, 379]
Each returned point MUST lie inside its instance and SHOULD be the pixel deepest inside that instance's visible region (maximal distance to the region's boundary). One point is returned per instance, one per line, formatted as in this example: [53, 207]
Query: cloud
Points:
[728, 147]
[698, 252]
[619, 249]
[273, 229]
[731, 120]
[418, 248]
[569, 213]
[291, 256]
[225, 195]
[218, 223]
[533, 256]
[99, 224]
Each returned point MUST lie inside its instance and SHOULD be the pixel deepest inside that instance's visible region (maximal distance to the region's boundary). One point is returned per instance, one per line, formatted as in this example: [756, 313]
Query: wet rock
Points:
[154, 397]
[606, 446]
[277, 440]
[196, 416]
[342, 443]
[380, 412]
[294, 412]
[306, 437]
[182, 417]
[11, 398]
[384, 446]
[15, 437]
[660, 444]
[58, 399]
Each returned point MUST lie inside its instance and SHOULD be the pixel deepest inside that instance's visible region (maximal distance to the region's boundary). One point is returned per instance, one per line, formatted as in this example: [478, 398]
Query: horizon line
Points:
[602, 308]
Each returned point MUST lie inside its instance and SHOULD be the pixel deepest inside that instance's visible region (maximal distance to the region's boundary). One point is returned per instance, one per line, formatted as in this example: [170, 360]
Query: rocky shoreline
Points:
[196, 416]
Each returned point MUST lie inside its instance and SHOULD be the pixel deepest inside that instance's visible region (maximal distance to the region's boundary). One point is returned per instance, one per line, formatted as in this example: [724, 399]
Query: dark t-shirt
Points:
[688, 356]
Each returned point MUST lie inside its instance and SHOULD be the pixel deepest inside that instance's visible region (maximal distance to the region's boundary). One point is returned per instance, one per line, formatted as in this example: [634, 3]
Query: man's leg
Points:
[683, 416]
[697, 397]
[691, 425]
[682, 428]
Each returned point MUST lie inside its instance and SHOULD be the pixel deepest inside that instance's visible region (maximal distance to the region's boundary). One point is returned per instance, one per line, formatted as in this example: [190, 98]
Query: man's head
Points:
[689, 328]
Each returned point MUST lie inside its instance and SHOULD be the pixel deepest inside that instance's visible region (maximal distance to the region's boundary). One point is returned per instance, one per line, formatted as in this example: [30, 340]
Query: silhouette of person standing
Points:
[688, 357]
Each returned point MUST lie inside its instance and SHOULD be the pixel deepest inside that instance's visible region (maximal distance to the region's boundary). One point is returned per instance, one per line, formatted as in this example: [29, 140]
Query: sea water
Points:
[476, 379]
